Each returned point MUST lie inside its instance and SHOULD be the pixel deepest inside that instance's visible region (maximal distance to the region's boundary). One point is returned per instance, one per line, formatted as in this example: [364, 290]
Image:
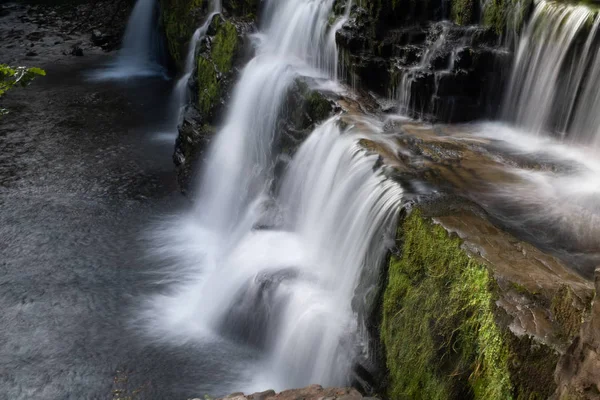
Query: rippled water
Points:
[82, 181]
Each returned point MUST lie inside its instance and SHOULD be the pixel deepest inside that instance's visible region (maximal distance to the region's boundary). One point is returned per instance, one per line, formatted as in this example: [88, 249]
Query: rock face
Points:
[469, 309]
[434, 69]
[314, 392]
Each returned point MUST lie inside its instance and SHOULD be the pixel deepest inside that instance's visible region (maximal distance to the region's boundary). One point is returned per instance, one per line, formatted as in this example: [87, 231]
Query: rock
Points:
[219, 56]
[31, 54]
[407, 60]
[499, 310]
[578, 372]
[313, 392]
[98, 38]
[76, 51]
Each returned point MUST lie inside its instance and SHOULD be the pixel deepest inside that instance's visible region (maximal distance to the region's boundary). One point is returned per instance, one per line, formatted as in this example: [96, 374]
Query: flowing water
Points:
[274, 264]
[143, 51]
[555, 79]
[180, 96]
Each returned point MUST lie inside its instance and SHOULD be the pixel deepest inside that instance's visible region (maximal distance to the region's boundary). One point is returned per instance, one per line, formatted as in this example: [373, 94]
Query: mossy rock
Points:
[497, 14]
[242, 8]
[464, 11]
[443, 333]
[180, 18]
[214, 66]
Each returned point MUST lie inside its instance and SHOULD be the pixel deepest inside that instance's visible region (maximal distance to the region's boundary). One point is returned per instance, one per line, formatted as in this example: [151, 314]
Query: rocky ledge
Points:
[475, 306]
[313, 392]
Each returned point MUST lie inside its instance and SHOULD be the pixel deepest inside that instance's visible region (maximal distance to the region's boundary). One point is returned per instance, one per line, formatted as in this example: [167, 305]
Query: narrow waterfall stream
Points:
[143, 52]
[180, 96]
[287, 286]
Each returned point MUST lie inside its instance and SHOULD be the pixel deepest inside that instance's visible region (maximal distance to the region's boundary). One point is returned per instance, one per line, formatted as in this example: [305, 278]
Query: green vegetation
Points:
[16, 76]
[440, 327]
[210, 69]
[505, 14]
[463, 11]
[224, 46]
[566, 313]
[179, 24]
[208, 86]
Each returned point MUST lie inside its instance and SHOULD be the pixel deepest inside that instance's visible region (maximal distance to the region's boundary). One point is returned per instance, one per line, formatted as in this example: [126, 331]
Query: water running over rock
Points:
[555, 78]
[277, 268]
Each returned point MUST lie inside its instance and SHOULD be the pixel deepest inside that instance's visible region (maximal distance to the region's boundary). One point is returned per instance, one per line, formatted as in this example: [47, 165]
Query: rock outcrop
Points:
[471, 310]
[433, 68]
[313, 392]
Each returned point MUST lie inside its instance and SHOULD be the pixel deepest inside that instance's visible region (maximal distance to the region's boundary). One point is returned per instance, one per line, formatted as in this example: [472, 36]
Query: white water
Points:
[142, 52]
[287, 287]
[555, 80]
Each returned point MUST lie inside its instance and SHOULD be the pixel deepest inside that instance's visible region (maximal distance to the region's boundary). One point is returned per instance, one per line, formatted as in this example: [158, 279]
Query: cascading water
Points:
[142, 52]
[287, 286]
[556, 76]
[180, 91]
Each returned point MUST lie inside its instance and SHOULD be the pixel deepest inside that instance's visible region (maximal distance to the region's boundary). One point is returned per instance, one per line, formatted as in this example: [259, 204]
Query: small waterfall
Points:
[142, 52]
[277, 269]
[179, 98]
[555, 77]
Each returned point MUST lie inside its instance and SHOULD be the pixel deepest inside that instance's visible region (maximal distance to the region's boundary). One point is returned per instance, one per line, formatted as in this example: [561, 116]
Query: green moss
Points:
[566, 312]
[179, 24]
[438, 325]
[317, 106]
[208, 86]
[224, 46]
[463, 11]
[246, 8]
[501, 15]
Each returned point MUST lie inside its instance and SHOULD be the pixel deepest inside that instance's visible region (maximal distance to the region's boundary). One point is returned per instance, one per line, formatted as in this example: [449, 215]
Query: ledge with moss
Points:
[451, 324]
[470, 311]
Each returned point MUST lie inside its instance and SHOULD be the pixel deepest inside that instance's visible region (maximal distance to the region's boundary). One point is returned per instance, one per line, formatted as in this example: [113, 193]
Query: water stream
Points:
[555, 78]
[143, 52]
[276, 269]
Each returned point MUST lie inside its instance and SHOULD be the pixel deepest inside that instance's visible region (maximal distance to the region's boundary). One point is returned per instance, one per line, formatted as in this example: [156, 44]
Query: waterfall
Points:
[276, 269]
[179, 98]
[555, 77]
[142, 52]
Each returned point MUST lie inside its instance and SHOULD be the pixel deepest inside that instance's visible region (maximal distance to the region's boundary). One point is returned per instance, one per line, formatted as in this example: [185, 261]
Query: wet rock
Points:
[98, 38]
[76, 50]
[392, 59]
[578, 372]
[219, 57]
[313, 392]
[451, 255]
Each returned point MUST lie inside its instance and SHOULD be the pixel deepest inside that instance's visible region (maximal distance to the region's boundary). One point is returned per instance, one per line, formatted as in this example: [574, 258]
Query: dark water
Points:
[84, 174]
